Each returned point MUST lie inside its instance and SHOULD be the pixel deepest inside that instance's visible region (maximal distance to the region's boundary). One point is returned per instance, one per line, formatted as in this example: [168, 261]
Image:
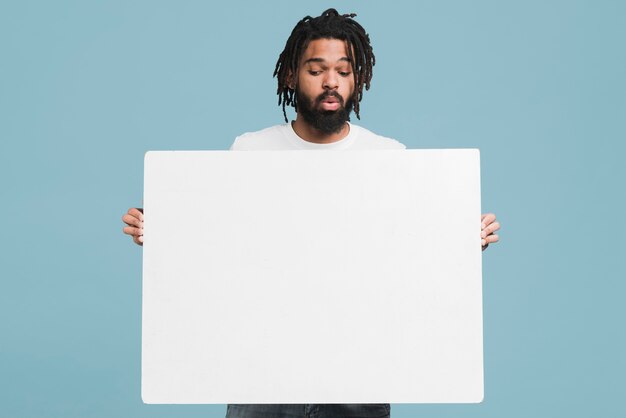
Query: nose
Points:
[331, 81]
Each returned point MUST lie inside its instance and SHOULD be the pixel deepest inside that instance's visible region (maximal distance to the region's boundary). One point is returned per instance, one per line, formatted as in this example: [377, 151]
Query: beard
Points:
[325, 121]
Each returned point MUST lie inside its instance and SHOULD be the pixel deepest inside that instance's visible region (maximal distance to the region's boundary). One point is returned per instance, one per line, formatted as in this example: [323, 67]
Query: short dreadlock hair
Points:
[329, 25]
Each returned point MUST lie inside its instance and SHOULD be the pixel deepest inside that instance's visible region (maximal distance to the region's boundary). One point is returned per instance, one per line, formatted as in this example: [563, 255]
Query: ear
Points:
[291, 82]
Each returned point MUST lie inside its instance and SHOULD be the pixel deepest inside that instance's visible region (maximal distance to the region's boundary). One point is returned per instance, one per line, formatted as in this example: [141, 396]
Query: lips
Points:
[330, 102]
[330, 105]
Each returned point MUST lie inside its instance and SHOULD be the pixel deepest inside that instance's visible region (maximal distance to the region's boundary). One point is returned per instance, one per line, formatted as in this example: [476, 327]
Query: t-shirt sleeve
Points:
[235, 145]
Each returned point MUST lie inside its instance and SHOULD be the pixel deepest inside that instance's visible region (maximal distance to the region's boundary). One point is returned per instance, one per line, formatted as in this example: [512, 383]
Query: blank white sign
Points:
[312, 277]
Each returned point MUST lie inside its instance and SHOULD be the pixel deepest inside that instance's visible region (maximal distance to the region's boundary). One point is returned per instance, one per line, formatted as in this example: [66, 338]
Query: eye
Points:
[344, 73]
[315, 73]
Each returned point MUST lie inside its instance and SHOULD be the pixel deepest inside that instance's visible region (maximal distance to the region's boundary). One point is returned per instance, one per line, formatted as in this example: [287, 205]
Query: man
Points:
[322, 71]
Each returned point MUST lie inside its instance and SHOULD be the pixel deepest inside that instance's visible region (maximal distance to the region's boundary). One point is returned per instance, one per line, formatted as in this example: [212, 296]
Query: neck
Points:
[310, 134]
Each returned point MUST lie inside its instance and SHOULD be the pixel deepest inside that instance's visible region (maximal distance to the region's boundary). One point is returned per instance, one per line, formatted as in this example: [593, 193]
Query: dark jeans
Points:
[370, 410]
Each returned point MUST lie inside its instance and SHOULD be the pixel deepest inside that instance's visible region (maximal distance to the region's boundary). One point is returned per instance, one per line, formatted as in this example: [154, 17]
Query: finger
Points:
[132, 221]
[487, 219]
[136, 212]
[485, 247]
[131, 230]
[492, 238]
[138, 240]
[490, 229]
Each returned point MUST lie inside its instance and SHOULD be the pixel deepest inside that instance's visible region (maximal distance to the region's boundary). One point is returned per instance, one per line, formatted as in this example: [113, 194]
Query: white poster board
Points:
[312, 277]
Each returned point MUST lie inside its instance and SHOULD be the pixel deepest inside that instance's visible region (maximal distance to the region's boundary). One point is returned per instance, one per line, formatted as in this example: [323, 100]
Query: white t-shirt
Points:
[283, 137]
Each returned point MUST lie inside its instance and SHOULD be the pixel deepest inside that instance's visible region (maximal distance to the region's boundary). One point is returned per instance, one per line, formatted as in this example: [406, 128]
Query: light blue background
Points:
[87, 87]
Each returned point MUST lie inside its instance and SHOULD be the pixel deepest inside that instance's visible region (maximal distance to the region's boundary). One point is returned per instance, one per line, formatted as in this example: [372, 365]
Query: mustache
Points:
[328, 94]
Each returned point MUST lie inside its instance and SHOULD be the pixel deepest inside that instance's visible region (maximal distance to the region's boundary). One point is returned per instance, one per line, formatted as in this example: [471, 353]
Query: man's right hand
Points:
[134, 221]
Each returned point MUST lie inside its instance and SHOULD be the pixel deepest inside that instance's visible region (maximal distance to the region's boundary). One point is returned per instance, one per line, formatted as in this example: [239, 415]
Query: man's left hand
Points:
[488, 227]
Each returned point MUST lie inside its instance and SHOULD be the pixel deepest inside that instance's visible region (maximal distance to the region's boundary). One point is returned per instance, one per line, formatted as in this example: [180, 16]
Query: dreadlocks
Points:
[330, 25]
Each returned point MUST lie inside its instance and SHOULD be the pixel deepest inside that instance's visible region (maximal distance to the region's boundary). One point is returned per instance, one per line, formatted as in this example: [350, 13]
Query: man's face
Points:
[325, 85]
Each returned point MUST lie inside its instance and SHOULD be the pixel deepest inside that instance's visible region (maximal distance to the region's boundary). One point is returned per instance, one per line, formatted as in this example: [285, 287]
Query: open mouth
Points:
[330, 103]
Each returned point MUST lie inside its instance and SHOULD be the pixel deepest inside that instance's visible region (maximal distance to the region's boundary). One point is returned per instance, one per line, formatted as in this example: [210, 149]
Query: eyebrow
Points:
[321, 60]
